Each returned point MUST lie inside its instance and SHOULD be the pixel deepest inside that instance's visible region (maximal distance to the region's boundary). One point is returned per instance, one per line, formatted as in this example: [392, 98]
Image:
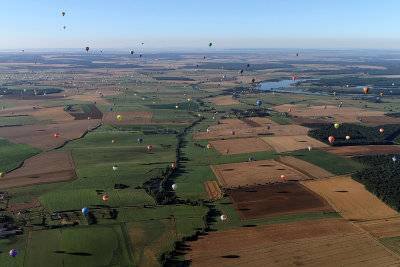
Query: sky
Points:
[183, 24]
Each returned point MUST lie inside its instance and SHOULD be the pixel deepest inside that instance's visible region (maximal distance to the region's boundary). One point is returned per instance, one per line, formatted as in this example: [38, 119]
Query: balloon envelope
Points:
[283, 177]
[13, 252]
[2, 174]
[173, 165]
[149, 147]
[209, 146]
[336, 125]
[115, 168]
[140, 140]
[394, 159]
[331, 139]
[174, 186]
[366, 90]
[259, 103]
[381, 130]
[105, 198]
[56, 135]
[119, 117]
[347, 137]
[85, 211]
[224, 217]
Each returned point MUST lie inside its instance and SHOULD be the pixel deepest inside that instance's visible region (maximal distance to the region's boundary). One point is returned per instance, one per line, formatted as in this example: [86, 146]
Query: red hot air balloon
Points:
[105, 198]
[294, 78]
[253, 80]
[204, 57]
[381, 130]
[290, 110]
[173, 165]
[56, 135]
[149, 147]
[331, 139]
[283, 177]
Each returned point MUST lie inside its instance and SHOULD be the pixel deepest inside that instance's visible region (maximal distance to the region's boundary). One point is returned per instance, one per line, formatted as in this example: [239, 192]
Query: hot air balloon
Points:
[268, 127]
[259, 103]
[224, 217]
[140, 140]
[115, 168]
[173, 165]
[283, 177]
[131, 52]
[13, 252]
[2, 174]
[334, 93]
[290, 110]
[366, 90]
[324, 107]
[381, 130]
[248, 65]
[63, 13]
[85, 210]
[119, 117]
[56, 135]
[331, 139]
[250, 159]
[209, 146]
[189, 99]
[87, 48]
[233, 132]
[347, 137]
[309, 148]
[64, 27]
[174, 186]
[105, 198]
[241, 71]
[253, 80]
[297, 54]
[210, 44]
[336, 125]
[394, 159]
[204, 57]
[294, 78]
[112, 141]
[176, 106]
[149, 147]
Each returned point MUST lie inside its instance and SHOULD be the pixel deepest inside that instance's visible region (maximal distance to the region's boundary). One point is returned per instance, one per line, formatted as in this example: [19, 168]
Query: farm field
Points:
[275, 200]
[223, 100]
[351, 151]
[332, 242]
[291, 143]
[240, 145]
[351, 199]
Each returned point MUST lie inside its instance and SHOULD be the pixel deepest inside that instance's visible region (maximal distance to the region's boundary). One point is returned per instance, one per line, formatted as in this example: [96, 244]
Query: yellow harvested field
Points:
[331, 113]
[350, 198]
[223, 100]
[331, 242]
[382, 228]
[249, 127]
[291, 143]
[213, 190]
[241, 145]
[55, 114]
[265, 171]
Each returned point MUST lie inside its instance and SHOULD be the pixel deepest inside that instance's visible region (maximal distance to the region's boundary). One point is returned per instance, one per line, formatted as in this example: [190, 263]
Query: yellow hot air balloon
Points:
[366, 90]
[154, 102]
[119, 117]
[309, 148]
[336, 125]
[189, 99]
[2, 174]
[176, 106]
[209, 146]
[135, 94]
[381, 94]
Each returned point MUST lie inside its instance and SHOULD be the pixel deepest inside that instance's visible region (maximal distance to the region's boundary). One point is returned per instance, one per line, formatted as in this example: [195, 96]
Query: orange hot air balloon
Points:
[105, 198]
[366, 90]
[283, 177]
[56, 135]
[381, 130]
[381, 94]
[294, 78]
[63, 13]
[331, 139]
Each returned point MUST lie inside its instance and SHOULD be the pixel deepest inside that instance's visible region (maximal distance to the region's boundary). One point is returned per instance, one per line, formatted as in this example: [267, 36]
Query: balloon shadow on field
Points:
[73, 253]
[230, 256]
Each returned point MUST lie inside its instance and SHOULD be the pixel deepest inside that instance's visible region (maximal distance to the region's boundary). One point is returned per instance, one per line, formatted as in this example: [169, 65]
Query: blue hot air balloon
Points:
[110, 109]
[259, 103]
[268, 127]
[250, 158]
[13, 252]
[140, 140]
[394, 159]
[85, 211]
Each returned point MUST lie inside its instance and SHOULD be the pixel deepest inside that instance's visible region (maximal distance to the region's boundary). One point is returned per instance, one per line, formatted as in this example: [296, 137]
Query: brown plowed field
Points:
[277, 199]
[351, 151]
[223, 100]
[307, 120]
[332, 242]
[42, 136]
[47, 167]
[331, 113]
[382, 228]
[379, 120]
[255, 173]
[94, 114]
[213, 190]
[291, 143]
[56, 114]
[251, 123]
[241, 145]
[350, 198]
[128, 117]
[22, 206]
